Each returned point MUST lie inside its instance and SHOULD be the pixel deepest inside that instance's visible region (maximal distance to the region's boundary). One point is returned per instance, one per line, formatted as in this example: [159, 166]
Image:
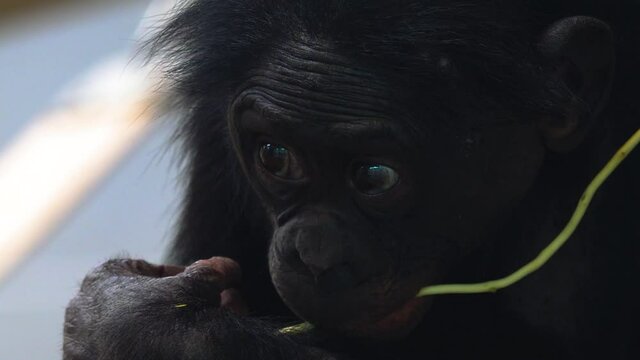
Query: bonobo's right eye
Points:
[280, 161]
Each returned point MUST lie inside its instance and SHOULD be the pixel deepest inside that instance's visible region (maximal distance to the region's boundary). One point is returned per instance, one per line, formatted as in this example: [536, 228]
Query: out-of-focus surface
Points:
[131, 212]
[40, 53]
[63, 154]
[11, 8]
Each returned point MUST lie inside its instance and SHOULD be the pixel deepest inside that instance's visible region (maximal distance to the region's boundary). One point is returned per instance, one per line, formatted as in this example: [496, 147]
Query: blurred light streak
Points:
[19, 8]
[10, 7]
[62, 155]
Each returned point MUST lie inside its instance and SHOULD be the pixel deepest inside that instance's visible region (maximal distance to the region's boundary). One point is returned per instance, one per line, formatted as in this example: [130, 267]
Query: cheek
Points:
[469, 192]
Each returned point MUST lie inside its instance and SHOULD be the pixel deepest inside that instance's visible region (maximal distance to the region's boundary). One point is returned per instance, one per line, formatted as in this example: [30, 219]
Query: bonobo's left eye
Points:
[280, 161]
[374, 179]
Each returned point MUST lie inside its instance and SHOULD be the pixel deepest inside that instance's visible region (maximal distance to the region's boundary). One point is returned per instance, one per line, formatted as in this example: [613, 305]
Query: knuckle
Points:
[143, 267]
[202, 273]
[90, 280]
[111, 267]
[114, 273]
[122, 266]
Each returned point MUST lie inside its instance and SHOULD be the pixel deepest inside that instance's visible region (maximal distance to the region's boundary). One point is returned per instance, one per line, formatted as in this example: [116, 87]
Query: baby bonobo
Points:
[342, 155]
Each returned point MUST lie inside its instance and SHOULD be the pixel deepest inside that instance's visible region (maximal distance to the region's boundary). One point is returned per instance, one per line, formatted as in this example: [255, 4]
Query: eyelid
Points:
[262, 138]
[377, 160]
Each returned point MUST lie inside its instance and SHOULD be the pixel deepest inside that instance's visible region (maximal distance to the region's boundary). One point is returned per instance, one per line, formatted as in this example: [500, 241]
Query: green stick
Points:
[552, 248]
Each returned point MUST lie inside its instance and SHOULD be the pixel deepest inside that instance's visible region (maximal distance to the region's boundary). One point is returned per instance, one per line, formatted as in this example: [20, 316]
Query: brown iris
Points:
[280, 161]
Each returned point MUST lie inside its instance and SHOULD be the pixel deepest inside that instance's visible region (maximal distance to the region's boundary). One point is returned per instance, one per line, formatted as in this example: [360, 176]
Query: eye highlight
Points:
[374, 179]
[280, 161]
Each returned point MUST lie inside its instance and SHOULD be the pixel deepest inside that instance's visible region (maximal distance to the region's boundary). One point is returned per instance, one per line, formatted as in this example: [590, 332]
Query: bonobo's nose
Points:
[326, 251]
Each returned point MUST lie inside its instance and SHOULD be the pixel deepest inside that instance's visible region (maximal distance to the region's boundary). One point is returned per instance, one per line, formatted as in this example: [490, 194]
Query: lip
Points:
[364, 318]
[396, 324]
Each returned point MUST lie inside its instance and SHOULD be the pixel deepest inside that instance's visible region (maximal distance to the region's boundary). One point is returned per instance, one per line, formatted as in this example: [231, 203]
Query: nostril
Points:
[335, 280]
[329, 281]
[297, 265]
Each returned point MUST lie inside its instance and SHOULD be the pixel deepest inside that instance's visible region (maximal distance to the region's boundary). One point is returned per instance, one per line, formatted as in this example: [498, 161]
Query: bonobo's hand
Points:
[131, 309]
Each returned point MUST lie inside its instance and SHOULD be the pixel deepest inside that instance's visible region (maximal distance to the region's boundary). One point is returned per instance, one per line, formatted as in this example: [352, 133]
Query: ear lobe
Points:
[584, 51]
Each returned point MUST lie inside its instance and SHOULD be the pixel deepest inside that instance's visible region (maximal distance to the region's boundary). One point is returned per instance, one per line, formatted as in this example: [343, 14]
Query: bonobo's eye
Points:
[280, 161]
[374, 179]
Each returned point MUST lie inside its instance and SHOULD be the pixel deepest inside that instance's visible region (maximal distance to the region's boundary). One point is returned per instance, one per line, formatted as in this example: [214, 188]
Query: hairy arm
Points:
[130, 309]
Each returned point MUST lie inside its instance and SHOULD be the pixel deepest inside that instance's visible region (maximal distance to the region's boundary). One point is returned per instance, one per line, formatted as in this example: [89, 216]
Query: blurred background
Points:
[115, 194]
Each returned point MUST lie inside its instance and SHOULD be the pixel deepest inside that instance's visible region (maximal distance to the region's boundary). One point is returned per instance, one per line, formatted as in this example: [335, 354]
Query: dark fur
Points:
[206, 50]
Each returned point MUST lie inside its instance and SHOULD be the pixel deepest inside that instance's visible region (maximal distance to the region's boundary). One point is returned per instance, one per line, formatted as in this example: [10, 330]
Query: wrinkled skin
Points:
[343, 155]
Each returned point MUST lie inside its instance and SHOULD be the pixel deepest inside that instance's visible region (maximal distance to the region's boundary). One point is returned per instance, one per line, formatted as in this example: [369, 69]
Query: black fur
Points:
[207, 51]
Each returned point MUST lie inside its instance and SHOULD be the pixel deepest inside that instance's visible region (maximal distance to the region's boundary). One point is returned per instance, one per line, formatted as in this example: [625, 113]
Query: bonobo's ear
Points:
[583, 48]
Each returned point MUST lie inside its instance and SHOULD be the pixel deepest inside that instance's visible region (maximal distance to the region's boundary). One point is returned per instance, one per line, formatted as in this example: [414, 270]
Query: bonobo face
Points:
[365, 213]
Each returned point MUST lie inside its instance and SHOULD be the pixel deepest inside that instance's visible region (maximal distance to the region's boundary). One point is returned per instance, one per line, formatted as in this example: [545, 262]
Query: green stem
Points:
[546, 253]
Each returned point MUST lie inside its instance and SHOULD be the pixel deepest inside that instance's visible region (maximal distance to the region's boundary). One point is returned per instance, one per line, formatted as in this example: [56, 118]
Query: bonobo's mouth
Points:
[368, 311]
[365, 297]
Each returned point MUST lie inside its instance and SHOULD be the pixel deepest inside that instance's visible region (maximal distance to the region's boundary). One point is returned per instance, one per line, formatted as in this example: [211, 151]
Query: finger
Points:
[231, 299]
[228, 268]
[144, 268]
[224, 271]
[171, 270]
[130, 267]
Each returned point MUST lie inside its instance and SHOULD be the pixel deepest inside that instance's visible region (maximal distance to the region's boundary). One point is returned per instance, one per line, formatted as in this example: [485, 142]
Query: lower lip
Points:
[396, 324]
[401, 316]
